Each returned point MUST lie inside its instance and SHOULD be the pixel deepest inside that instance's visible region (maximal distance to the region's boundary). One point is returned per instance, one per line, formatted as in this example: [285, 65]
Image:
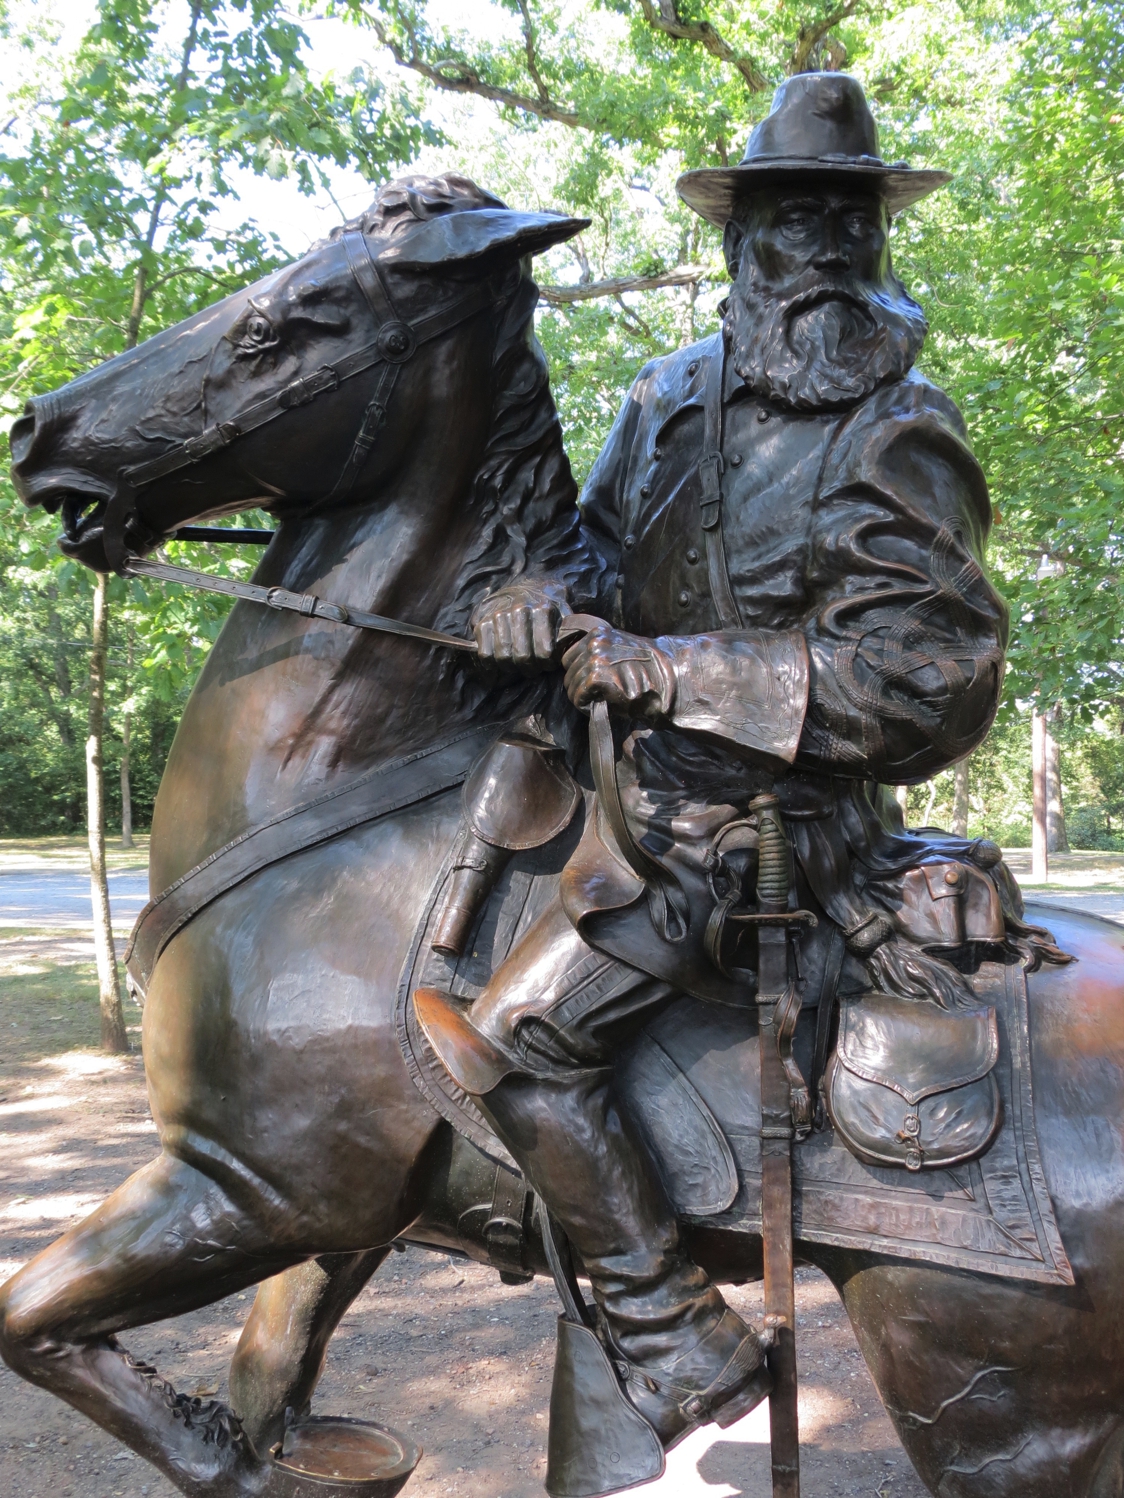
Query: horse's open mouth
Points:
[81, 513]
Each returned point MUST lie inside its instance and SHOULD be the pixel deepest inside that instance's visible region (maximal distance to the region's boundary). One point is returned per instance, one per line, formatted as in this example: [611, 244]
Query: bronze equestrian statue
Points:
[406, 976]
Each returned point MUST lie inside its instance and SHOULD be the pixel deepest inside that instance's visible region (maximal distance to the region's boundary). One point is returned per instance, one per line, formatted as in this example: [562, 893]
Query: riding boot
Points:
[686, 1357]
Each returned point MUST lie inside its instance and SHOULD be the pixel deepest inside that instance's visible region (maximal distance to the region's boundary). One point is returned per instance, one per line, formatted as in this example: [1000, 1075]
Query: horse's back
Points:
[269, 1029]
[1077, 1060]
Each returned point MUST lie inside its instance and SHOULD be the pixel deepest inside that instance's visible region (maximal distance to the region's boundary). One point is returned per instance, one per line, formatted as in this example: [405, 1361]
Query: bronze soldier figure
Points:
[786, 529]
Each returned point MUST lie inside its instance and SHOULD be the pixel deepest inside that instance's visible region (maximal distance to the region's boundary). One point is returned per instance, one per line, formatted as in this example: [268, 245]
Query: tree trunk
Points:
[113, 1036]
[901, 796]
[1056, 839]
[1039, 860]
[960, 797]
[126, 730]
[126, 788]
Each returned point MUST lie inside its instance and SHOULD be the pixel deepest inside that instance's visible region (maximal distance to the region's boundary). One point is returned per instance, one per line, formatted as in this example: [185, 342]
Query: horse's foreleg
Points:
[168, 1241]
[284, 1343]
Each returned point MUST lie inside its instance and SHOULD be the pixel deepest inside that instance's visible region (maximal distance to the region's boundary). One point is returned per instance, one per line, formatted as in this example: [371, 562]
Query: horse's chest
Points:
[769, 484]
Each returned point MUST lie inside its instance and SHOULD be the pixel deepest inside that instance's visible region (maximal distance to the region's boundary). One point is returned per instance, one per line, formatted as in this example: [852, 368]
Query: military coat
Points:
[870, 643]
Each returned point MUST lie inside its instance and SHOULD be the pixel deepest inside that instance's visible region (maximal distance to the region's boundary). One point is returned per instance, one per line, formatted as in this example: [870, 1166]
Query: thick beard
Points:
[822, 345]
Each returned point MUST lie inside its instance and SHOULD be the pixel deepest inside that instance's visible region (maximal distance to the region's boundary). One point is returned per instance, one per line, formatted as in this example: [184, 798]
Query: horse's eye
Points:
[257, 329]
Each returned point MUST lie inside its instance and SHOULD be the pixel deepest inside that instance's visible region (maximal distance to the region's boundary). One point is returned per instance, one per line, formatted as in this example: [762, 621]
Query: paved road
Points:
[1109, 904]
[60, 898]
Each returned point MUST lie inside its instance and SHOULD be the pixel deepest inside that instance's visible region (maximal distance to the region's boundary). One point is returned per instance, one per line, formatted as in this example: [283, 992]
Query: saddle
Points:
[909, 1083]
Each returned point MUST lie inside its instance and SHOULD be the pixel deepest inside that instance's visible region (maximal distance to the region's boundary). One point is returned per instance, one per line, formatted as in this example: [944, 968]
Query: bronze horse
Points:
[295, 1144]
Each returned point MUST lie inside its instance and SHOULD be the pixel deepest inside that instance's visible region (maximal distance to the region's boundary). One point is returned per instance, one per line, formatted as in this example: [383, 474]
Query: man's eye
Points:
[795, 225]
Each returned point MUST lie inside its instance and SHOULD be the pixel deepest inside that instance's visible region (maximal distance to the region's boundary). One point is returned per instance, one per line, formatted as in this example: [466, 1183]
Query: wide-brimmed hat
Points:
[820, 125]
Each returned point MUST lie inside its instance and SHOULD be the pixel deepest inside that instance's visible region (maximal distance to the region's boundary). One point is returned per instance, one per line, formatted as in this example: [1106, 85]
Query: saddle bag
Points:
[911, 1084]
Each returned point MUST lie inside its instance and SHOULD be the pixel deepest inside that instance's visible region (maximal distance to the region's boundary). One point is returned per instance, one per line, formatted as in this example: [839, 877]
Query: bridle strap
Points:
[395, 335]
[366, 273]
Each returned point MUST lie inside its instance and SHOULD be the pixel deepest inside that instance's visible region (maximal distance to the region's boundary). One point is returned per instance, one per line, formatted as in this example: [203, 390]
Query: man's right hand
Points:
[518, 625]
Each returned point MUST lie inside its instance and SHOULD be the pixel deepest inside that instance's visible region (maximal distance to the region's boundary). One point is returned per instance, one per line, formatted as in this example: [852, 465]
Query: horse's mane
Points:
[523, 490]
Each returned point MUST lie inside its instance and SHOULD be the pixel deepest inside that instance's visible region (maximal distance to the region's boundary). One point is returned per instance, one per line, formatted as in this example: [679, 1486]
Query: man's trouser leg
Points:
[536, 1050]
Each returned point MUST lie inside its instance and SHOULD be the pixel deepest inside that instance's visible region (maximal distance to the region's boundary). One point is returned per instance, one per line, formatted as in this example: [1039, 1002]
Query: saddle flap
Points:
[691, 1150]
[915, 1047]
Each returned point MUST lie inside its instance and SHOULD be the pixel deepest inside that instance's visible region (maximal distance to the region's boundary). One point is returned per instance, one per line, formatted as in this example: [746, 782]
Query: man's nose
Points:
[831, 255]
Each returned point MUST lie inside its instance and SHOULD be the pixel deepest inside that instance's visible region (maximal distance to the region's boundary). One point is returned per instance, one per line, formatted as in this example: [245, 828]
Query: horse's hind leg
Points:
[285, 1339]
[168, 1241]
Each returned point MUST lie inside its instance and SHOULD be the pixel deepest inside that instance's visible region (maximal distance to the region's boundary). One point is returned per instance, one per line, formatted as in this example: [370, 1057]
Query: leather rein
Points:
[395, 342]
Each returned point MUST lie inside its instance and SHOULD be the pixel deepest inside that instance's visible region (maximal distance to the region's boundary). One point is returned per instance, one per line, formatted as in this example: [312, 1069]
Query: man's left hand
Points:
[628, 672]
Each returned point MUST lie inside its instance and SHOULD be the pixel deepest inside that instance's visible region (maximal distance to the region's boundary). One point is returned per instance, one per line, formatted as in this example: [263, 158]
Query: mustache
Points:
[823, 340]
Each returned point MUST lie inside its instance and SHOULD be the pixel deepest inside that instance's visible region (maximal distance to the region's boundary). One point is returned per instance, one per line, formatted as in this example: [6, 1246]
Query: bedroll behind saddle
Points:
[911, 1083]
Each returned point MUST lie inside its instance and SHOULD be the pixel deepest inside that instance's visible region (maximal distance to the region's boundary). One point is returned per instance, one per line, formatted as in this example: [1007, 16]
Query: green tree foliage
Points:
[117, 175]
[113, 177]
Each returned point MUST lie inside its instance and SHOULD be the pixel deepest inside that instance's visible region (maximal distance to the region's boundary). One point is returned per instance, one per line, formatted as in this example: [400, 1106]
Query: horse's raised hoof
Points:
[327, 1457]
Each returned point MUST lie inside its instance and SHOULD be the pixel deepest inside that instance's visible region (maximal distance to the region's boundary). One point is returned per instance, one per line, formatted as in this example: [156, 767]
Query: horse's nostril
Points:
[22, 437]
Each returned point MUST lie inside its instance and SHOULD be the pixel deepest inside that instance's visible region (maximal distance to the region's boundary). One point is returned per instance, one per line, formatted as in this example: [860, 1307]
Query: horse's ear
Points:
[478, 232]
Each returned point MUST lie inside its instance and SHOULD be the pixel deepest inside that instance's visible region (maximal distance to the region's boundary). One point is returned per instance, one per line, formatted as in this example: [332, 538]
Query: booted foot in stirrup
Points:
[721, 1379]
[684, 1358]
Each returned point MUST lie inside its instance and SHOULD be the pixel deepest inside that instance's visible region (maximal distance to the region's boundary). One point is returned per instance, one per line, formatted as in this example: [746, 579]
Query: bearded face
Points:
[816, 318]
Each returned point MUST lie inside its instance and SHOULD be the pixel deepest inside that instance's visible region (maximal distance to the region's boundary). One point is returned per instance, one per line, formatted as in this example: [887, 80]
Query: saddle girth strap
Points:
[377, 793]
[711, 469]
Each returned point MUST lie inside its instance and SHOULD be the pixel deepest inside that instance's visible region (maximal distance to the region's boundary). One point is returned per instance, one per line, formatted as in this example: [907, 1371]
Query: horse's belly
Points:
[269, 1031]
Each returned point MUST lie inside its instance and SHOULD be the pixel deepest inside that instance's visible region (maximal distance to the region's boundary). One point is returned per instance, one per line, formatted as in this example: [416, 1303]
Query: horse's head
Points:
[187, 424]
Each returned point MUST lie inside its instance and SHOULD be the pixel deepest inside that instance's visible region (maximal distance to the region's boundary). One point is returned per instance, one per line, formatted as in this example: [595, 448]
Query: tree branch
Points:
[810, 38]
[664, 17]
[532, 58]
[458, 77]
[615, 286]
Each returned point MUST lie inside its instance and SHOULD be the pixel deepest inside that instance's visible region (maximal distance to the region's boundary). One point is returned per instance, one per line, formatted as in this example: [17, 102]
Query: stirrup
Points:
[599, 1442]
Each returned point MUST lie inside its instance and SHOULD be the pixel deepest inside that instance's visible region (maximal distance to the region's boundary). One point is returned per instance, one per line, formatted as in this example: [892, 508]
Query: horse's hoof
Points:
[341, 1458]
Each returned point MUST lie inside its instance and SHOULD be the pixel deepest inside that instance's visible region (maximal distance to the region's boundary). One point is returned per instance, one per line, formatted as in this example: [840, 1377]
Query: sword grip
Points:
[774, 866]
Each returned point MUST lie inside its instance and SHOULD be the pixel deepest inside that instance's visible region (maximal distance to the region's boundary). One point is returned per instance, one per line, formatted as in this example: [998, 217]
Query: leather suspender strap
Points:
[711, 468]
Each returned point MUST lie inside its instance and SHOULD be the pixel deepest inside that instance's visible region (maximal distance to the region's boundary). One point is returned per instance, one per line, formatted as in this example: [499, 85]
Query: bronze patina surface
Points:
[779, 557]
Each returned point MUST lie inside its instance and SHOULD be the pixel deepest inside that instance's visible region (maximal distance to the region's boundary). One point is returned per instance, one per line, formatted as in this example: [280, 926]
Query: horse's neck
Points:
[287, 707]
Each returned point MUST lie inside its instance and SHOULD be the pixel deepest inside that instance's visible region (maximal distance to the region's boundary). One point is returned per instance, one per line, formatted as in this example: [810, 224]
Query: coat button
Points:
[736, 461]
[762, 414]
[684, 598]
[645, 490]
[693, 368]
[692, 556]
[629, 542]
[952, 876]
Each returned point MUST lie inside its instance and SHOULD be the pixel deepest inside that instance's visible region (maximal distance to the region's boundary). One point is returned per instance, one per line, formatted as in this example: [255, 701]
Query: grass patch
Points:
[50, 1008]
[70, 852]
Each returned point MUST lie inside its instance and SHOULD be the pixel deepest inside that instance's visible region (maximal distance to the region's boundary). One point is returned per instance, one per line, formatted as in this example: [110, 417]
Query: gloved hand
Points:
[518, 625]
[626, 671]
